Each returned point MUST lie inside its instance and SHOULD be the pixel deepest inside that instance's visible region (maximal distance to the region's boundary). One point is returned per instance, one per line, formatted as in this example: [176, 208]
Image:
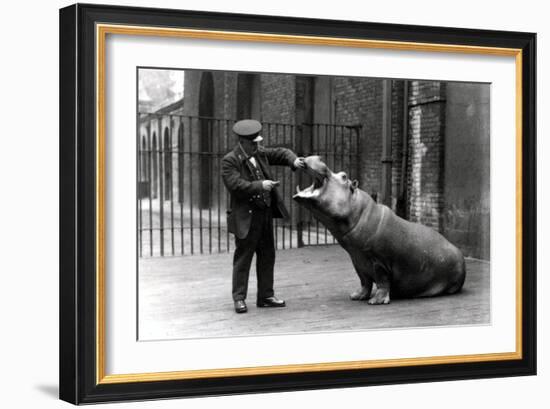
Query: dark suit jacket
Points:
[244, 189]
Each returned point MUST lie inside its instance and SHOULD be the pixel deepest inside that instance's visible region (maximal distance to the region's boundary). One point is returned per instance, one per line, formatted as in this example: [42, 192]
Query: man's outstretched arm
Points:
[284, 157]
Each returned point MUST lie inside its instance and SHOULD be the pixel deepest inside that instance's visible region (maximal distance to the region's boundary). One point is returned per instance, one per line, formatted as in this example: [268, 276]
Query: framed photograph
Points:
[257, 203]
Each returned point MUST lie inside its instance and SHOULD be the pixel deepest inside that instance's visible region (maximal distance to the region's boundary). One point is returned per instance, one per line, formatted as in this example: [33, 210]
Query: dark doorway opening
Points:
[206, 112]
[167, 164]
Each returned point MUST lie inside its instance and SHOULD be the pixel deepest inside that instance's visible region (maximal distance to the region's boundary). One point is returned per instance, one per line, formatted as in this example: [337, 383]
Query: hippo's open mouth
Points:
[312, 190]
[319, 181]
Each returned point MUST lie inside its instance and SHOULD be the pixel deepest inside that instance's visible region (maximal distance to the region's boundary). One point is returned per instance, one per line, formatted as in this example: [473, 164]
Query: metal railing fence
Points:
[182, 202]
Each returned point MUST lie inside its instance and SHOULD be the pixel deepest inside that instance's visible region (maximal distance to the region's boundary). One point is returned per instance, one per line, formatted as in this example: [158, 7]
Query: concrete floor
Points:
[190, 297]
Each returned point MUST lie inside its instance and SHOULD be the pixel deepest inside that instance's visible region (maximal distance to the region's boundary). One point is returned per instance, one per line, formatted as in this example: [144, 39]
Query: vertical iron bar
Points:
[309, 215]
[149, 165]
[181, 183]
[201, 181]
[210, 156]
[291, 187]
[171, 168]
[275, 175]
[327, 146]
[273, 141]
[333, 154]
[315, 132]
[227, 198]
[299, 217]
[351, 171]
[138, 188]
[192, 234]
[285, 172]
[342, 150]
[218, 177]
[161, 182]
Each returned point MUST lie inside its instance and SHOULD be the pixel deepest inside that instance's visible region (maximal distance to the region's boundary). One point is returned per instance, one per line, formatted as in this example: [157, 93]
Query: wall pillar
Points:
[426, 152]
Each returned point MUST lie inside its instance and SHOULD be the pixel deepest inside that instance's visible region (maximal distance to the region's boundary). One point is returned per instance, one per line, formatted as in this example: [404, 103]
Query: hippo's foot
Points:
[381, 296]
[360, 295]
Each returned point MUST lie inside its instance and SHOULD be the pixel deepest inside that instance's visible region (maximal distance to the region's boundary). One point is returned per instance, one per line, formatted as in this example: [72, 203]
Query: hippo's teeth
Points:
[297, 188]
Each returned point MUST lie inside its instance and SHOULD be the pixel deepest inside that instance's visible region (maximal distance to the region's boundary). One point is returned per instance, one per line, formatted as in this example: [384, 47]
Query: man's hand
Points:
[270, 184]
[300, 163]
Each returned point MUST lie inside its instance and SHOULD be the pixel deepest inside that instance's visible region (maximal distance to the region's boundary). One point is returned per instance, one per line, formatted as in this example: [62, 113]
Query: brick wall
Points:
[425, 152]
[278, 98]
[358, 101]
[351, 99]
[229, 93]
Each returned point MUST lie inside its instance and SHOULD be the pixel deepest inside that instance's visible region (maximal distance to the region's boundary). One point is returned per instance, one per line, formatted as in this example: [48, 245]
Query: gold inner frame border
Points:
[102, 30]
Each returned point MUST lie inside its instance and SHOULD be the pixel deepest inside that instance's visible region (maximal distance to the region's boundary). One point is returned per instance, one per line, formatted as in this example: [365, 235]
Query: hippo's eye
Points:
[344, 176]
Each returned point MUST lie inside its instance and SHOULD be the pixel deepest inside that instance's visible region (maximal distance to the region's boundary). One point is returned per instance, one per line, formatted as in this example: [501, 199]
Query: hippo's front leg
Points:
[363, 268]
[381, 296]
[382, 293]
[362, 293]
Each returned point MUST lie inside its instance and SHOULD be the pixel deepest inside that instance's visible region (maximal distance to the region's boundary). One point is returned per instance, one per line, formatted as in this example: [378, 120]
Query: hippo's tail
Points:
[458, 283]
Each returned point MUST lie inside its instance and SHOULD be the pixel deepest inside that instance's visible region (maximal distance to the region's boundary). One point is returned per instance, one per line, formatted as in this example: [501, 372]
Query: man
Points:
[254, 204]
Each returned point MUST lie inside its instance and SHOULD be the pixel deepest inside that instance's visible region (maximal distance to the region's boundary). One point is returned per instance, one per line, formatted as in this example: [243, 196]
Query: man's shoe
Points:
[270, 302]
[240, 307]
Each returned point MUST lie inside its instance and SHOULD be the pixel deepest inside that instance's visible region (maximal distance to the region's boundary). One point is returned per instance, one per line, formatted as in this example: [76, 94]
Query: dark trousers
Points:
[259, 241]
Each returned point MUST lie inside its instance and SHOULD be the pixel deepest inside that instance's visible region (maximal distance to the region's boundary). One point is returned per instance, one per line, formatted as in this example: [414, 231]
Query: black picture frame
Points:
[78, 200]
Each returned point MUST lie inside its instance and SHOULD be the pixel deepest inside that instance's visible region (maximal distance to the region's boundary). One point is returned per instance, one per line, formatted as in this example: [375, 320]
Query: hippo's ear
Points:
[354, 185]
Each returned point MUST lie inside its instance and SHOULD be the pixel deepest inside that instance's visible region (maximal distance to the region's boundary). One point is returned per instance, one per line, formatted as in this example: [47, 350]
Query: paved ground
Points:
[190, 297]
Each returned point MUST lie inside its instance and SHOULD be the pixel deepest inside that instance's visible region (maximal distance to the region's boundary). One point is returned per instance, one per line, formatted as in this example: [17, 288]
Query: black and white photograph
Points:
[275, 203]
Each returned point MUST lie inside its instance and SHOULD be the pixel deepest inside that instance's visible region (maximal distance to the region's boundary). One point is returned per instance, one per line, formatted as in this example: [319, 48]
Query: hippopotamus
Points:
[404, 259]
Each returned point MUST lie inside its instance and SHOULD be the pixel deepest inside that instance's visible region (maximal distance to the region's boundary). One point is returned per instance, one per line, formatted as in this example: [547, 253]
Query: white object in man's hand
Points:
[270, 184]
[300, 163]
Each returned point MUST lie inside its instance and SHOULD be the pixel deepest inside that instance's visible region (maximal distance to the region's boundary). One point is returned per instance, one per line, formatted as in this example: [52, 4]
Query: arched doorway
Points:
[206, 113]
[144, 174]
[143, 182]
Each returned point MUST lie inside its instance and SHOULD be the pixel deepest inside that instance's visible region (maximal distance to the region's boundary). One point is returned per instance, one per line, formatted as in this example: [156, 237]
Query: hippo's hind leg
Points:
[382, 293]
[363, 268]
[459, 277]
